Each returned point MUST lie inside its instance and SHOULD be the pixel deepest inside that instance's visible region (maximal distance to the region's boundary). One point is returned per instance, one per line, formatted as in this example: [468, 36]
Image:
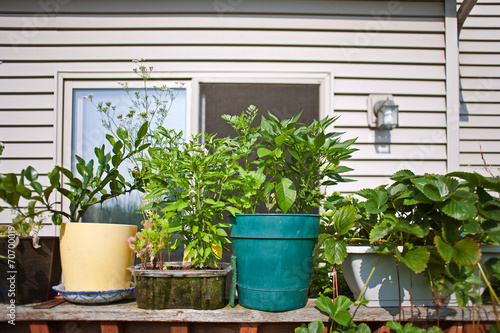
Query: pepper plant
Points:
[297, 159]
[194, 184]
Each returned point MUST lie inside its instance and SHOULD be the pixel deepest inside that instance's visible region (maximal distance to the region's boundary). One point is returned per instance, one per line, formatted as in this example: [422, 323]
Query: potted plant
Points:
[69, 195]
[34, 260]
[442, 226]
[274, 250]
[90, 187]
[190, 186]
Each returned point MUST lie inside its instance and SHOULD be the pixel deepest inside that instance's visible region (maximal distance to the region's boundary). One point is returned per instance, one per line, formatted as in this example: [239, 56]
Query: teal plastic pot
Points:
[274, 259]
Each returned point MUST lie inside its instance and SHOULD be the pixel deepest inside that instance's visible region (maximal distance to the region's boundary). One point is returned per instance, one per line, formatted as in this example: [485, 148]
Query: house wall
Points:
[370, 47]
[480, 89]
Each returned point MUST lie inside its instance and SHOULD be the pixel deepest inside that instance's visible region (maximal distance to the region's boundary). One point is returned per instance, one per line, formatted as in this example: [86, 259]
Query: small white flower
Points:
[90, 96]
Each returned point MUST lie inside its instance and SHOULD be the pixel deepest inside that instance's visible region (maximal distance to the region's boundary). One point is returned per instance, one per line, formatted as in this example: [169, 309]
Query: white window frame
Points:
[323, 79]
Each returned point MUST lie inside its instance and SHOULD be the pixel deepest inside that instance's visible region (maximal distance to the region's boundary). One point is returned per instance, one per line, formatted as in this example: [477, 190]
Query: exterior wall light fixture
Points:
[382, 112]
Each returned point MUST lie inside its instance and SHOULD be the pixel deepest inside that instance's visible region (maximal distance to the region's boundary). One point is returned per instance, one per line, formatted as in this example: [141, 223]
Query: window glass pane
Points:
[282, 100]
[88, 133]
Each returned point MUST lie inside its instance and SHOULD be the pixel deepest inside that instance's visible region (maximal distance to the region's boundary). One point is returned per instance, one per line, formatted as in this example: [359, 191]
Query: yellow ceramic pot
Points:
[95, 256]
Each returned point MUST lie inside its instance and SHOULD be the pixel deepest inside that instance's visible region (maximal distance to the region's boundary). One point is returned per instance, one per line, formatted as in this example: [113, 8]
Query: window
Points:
[87, 132]
[205, 96]
[282, 100]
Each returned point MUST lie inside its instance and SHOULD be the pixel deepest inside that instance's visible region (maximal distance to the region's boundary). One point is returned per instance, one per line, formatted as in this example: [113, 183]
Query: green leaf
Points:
[233, 211]
[302, 329]
[444, 249]
[281, 139]
[143, 130]
[325, 304]
[285, 194]
[24, 191]
[319, 140]
[381, 230]
[434, 329]
[343, 318]
[460, 210]
[416, 259]
[122, 132]
[262, 152]
[176, 206]
[316, 327]
[493, 266]
[56, 219]
[395, 326]
[493, 329]
[402, 175]
[363, 328]
[335, 251]
[451, 232]
[344, 219]
[466, 252]
[30, 174]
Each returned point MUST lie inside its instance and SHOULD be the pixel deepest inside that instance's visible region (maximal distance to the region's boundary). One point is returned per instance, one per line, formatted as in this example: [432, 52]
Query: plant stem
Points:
[434, 296]
[411, 296]
[368, 280]
[399, 290]
[494, 296]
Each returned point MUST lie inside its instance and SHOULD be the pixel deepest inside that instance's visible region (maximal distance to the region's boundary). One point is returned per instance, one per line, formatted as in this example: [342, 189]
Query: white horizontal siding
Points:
[370, 47]
[475, 146]
[223, 53]
[414, 136]
[27, 134]
[480, 83]
[406, 120]
[346, 70]
[28, 150]
[408, 103]
[206, 37]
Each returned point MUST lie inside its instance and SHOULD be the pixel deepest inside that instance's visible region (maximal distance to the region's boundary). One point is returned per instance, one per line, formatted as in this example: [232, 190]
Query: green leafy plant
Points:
[96, 181]
[409, 328]
[297, 159]
[338, 312]
[415, 212]
[194, 184]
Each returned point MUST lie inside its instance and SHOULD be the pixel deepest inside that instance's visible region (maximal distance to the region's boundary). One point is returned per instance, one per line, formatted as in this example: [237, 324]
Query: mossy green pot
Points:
[180, 289]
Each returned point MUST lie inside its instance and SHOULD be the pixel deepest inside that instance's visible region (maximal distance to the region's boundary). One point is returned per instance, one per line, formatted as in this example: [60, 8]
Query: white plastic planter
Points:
[382, 289]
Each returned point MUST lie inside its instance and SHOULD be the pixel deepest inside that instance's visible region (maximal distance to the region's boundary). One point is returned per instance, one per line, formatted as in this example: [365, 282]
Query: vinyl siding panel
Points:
[480, 83]
[370, 47]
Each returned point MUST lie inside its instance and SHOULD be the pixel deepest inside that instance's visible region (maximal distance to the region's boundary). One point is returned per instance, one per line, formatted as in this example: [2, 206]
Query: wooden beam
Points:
[456, 328]
[111, 327]
[40, 327]
[382, 329]
[180, 328]
[249, 328]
